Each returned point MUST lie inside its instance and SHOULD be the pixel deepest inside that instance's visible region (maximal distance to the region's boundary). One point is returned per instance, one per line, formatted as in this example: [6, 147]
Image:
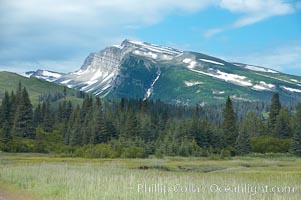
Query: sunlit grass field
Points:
[50, 177]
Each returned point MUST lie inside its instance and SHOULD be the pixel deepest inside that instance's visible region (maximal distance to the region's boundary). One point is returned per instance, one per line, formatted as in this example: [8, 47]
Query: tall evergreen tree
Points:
[75, 128]
[97, 126]
[47, 117]
[132, 128]
[296, 140]
[12, 99]
[274, 111]
[253, 125]
[5, 134]
[243, 145]
[282, 129]
[229, 123]
[23, 122]
[5, 109]
[37, 116]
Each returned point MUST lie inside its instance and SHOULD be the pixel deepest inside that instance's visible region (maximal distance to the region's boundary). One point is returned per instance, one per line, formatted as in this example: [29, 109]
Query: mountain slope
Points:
[143, 70]
[35, 87]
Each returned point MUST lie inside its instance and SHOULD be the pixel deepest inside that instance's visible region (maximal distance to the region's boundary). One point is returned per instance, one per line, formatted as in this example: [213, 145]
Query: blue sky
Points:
[59, 34]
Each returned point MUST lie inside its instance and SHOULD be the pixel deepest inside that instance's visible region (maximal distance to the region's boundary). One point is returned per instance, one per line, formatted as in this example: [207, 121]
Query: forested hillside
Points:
[139, 128]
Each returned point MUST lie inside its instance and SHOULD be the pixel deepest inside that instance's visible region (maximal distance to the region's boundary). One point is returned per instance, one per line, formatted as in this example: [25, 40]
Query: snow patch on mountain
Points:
[66, 81]
[150, 90]
[263, 86]
[260, 69]
[232, 78]
[192, 83]
[156, 48]
[148, 54]
[291, 89]
[191, 63]
[218, 92]
[51, 74]
[187, 60]
[211, 61]
[88, 84]
[117, 46]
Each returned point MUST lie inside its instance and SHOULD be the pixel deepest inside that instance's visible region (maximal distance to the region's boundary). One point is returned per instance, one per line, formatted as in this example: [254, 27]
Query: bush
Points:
[21, 146]
[97, 151]
[133, 152]
[159, 155]
[2, 147]
[270, 145]
[225, 153]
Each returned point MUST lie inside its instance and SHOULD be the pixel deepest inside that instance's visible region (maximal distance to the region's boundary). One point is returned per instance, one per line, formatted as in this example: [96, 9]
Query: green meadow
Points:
[42, 176]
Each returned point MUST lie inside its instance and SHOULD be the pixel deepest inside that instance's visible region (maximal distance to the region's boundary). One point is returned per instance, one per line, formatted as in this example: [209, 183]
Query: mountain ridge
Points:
[143, 70]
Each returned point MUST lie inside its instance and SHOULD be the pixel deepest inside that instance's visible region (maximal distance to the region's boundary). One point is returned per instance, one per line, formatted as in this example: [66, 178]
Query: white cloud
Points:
[252, 11]
[39, 30]
[286, 58]
[256, 10]
[211, 32]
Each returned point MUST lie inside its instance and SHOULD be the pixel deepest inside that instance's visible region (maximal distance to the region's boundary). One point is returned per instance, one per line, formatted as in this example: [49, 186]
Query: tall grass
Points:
[57, 178]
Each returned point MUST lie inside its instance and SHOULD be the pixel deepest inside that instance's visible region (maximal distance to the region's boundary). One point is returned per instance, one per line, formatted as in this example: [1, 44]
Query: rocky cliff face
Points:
[97, 73]
[107, 70]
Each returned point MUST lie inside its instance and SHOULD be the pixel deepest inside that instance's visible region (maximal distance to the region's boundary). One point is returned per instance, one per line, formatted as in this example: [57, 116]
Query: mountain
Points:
[137, 69]
[44, 74]
[36, 88]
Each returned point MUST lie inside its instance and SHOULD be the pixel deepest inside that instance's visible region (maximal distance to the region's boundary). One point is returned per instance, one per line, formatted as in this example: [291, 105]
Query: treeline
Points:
[139, 128]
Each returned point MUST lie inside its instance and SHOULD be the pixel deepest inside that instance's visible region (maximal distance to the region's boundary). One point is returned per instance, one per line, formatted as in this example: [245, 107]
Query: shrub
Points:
[133, 152]
[97, 151]
[270, 145]
[21, 146]
[2, 147]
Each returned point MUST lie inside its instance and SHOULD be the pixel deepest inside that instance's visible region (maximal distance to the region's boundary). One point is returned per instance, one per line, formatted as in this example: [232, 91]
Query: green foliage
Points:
[96, 151]
[36, 88]
[274, 111]
[21, 145]
[243, 145]
[295, 147]
[131, 128]
[282, 129]
[229, 123]
[270, 145]
[23, 122]
[133, 152]
[253, 125]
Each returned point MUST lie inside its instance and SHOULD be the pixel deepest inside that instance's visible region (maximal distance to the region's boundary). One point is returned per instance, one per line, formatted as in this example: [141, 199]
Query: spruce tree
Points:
[229, 124]
[13, 104]
[5, 134]
[47, 122]
[23, 122]
[243, 145]
[253, 125]
[37, 116]
[75, 128]
[282, 129]
[5, 109]
[295, 147]
[132, 129]
[274, 111]
[97, 126]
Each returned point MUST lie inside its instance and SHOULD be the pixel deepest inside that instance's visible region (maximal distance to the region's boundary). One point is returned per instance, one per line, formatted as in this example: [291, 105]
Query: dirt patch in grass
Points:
[183, 168]
[9, 192]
